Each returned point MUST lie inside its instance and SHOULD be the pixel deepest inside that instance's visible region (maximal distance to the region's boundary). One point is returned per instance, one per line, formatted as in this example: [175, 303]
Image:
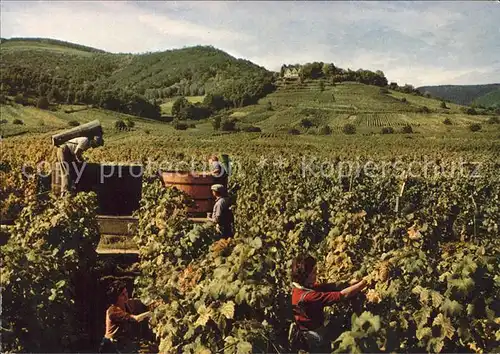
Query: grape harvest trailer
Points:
[118, 189]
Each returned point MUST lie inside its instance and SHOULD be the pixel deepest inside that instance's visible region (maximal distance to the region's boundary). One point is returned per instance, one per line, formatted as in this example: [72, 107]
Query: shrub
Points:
[18, 122]
[493, 120]
[216, 122]
[443, 105]
[214, 102]
[269, 106]
[191, 125]
[407, 129]
[471, 111]
[306, 123]
[228, 125]
[475, 127]
[178, 105]
[20, 99]
[147, 131]
[349, 129]
[129, 123]
[252, 129]
[4, 121]
[387, 130]
[424, 109]
[293, 131]
[120, 125]
[180, 125]
[404, 100]
[195, 112]
[73, 123]
[42, 103]
[325, 130]
[447, 121]
[384, 91]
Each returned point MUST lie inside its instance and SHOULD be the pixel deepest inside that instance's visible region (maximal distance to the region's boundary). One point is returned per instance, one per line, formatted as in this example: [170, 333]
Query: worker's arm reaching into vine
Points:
[142, 316]
[353, 289]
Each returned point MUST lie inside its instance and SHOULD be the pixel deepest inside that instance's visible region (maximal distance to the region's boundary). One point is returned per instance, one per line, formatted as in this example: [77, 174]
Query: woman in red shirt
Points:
[309, 299]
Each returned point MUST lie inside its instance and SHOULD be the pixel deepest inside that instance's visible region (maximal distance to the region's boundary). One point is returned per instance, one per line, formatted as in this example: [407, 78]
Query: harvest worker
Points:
[119, 317]
[217, 170]
[309, 299]
[70, 154]
[222, 214]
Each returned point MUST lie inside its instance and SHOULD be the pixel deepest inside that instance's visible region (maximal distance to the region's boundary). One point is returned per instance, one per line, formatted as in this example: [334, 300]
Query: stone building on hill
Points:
[290, 71]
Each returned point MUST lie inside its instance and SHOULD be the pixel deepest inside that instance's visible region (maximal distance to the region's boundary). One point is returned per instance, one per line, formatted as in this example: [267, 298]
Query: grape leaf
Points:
[227, 310]
[205, 315]
[423, 332]
[451, 307]
[244, 347]
[444, 322]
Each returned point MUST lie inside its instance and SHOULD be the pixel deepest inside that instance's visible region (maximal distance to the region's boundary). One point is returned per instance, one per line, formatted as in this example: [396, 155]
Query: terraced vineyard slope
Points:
[368, 108]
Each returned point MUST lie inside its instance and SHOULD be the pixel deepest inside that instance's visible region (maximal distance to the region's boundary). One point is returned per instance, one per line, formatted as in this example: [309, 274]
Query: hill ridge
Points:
[53, 41]
[491, 99]
[460, 94]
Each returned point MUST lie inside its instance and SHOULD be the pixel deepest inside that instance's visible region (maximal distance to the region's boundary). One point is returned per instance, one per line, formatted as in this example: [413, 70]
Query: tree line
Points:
[29, 88]
[321, 70]
[328, 71]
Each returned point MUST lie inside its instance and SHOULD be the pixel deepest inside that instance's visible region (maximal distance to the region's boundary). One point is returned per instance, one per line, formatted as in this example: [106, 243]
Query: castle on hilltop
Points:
[290, 71]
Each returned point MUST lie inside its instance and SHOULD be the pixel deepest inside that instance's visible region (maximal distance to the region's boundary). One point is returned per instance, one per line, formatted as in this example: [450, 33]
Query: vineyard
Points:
[368, 108]
[424, 229]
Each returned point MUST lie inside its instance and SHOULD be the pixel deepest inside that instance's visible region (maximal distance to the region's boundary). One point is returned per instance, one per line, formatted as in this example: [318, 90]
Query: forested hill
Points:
[491, 99]
[460, 94]
[68, 73]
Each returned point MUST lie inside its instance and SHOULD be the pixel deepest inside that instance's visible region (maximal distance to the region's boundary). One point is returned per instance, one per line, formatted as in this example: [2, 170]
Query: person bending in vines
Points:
[308, 300]
[119, 318]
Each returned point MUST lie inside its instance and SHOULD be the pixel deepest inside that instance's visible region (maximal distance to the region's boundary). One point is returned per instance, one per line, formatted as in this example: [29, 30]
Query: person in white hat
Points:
[222, 214]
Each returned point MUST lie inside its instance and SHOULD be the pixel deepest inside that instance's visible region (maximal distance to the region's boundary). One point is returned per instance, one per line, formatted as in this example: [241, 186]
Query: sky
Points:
[419, 43]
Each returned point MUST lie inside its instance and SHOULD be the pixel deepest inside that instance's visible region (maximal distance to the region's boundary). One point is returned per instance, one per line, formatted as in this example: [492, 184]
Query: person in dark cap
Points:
[222, 215]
